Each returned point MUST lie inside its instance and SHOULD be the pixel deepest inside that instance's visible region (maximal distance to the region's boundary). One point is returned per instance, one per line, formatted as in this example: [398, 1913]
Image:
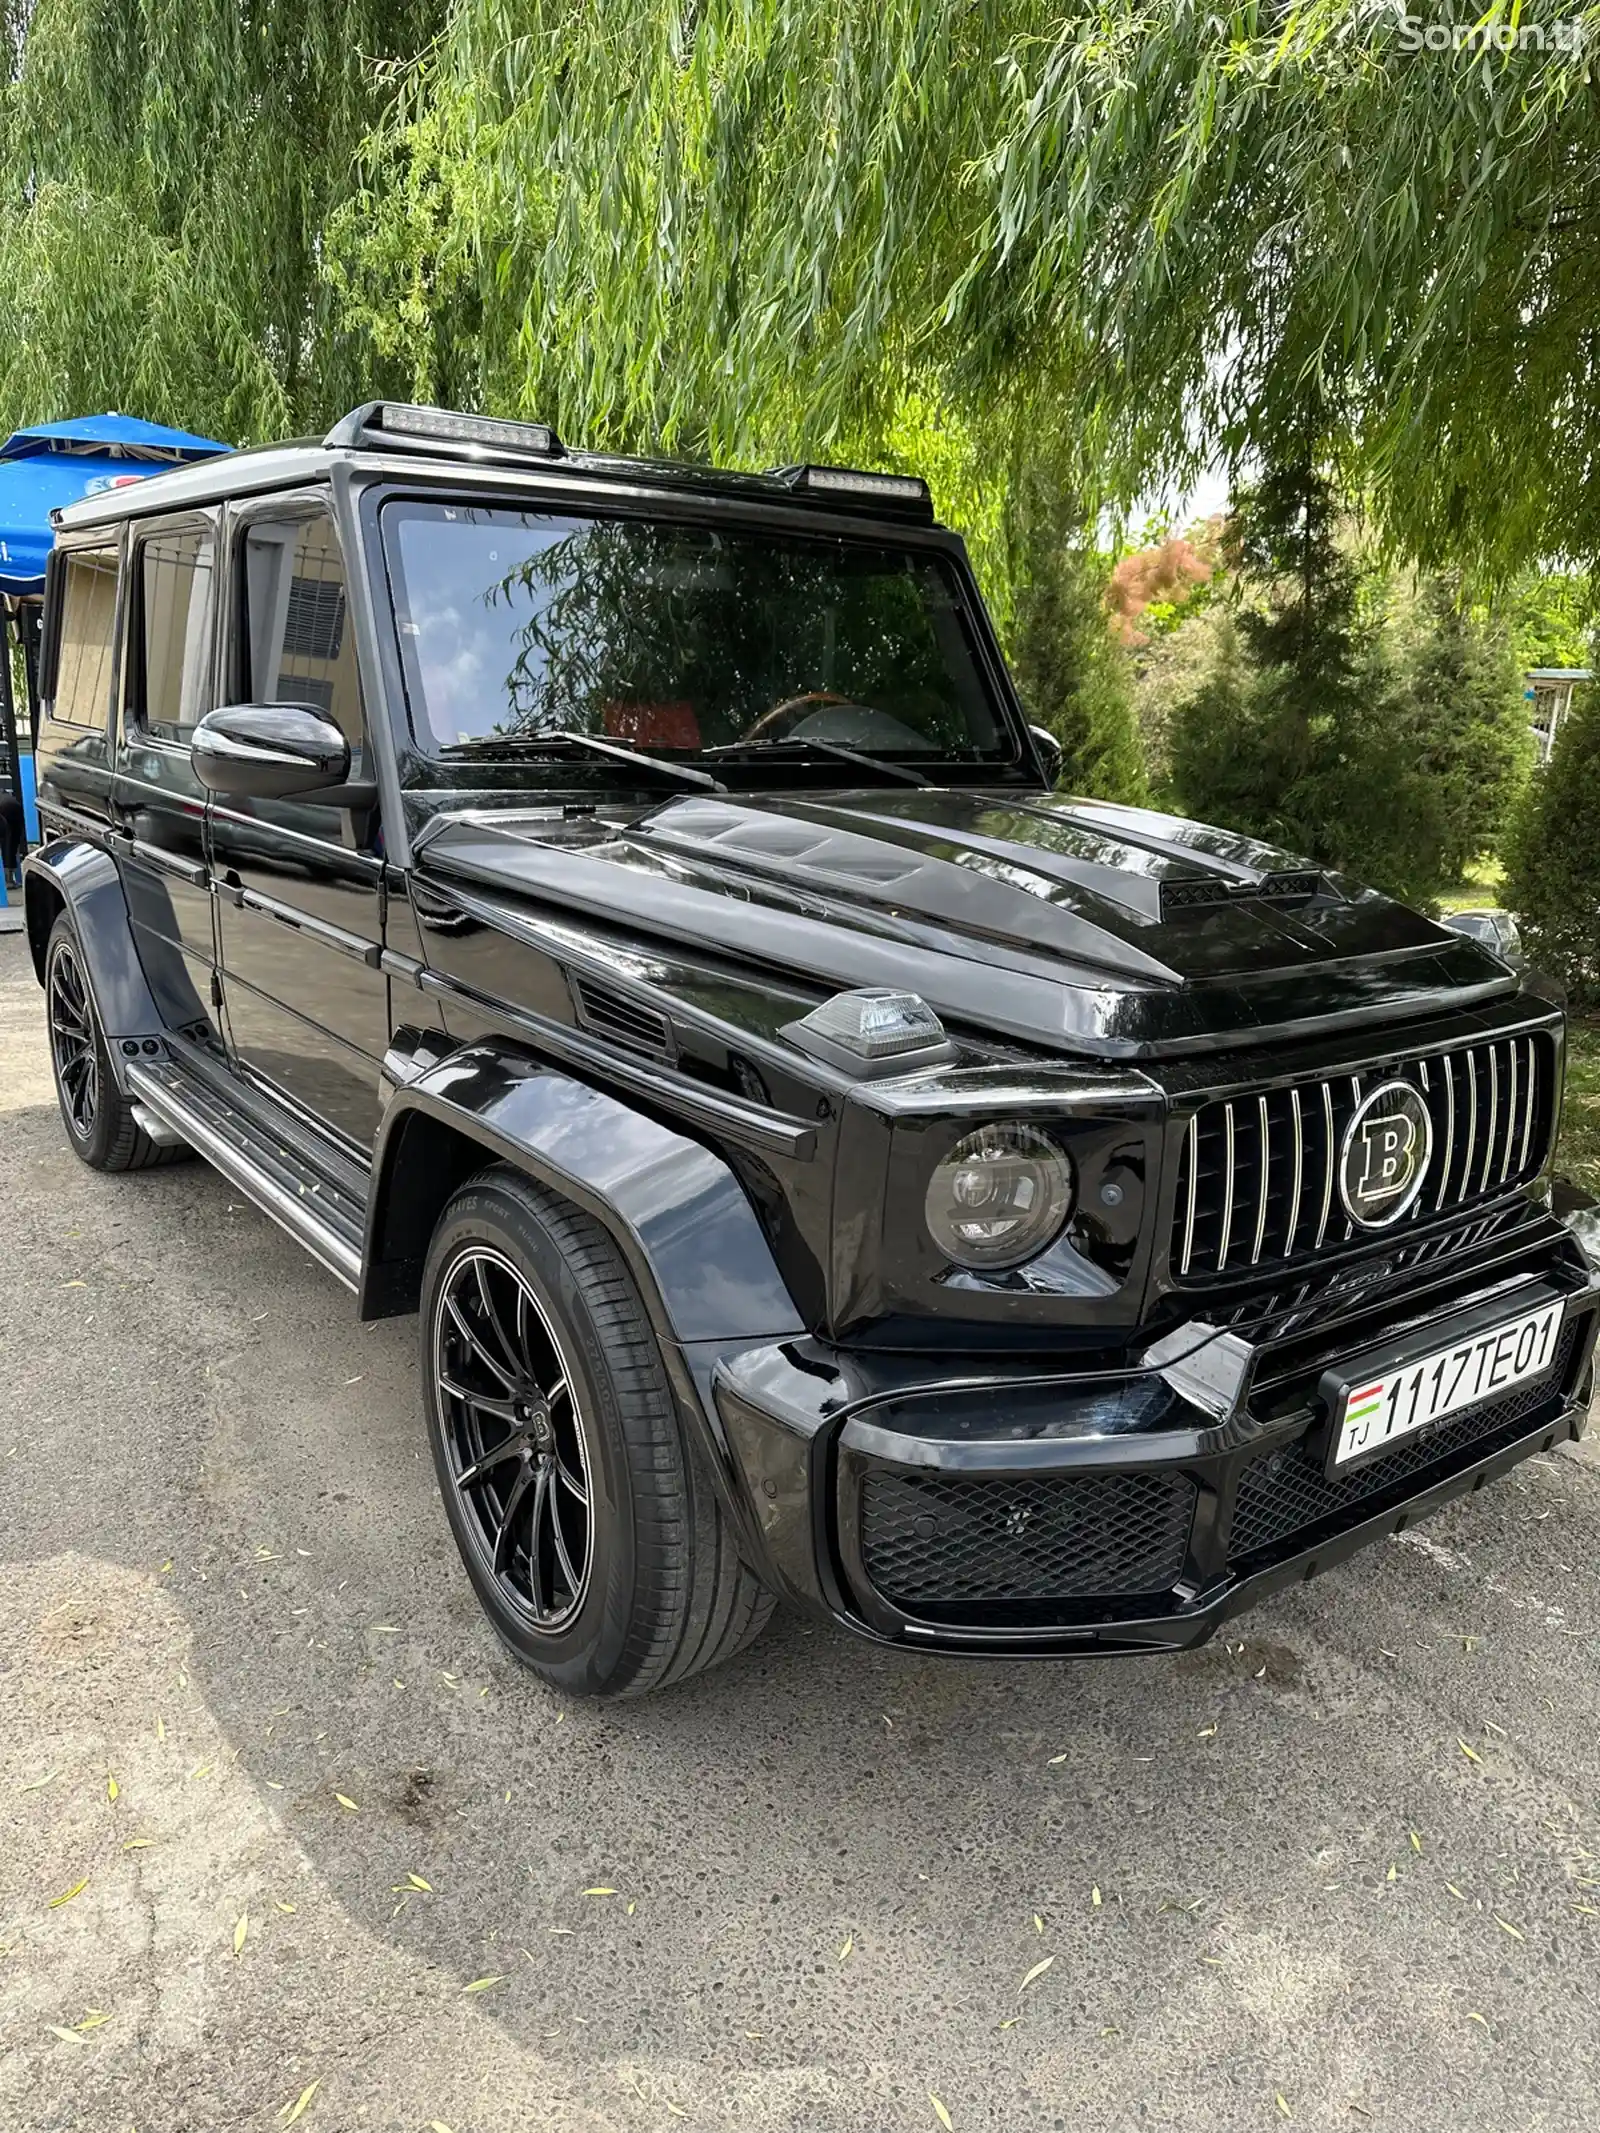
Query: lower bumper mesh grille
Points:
[1286, 1492]
[938, 1539]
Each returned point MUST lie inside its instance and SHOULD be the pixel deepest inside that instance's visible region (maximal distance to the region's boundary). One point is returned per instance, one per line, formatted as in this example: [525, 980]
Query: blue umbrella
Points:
[54, 464]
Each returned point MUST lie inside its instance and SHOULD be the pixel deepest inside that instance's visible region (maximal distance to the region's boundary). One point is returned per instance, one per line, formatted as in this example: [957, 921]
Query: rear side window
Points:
[298, 644]
[172, 689]
[83, 651]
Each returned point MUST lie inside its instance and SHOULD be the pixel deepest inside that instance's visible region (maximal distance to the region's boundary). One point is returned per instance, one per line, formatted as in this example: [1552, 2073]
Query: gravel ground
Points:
[278, 1819]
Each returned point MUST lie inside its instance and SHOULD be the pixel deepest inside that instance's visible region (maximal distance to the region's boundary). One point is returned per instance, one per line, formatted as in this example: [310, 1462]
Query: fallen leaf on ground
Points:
[345, 1801]
[482, 1984]
[599, 1892]
[1282, 2106]
[302, 2103]
[849, 1943]
[1036, 1972]
[113, 1789]
[241, 1932]
[1094, 1897]
[34, 1784]
[941, 2113]
[1470, 1753]
[1506, 1926]
[1479, 2019]
[57, 1901]
[417, 1882]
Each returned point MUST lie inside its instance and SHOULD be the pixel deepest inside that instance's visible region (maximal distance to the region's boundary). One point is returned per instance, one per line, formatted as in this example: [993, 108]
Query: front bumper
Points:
[954, 1514]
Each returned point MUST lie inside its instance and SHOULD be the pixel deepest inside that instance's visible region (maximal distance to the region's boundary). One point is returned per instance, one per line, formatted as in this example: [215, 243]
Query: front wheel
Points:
[590, 1532]
[99, 1119]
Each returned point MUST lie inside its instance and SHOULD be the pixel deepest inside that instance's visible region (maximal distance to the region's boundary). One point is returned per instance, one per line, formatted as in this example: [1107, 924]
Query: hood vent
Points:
[622, 1020]
[1282, 888]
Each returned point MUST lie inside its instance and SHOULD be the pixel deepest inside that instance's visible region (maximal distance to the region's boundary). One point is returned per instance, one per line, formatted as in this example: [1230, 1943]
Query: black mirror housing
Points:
[1048, 750]
[269, 751]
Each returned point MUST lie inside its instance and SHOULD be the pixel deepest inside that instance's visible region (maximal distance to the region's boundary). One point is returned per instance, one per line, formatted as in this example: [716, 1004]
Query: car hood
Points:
[1073, 924]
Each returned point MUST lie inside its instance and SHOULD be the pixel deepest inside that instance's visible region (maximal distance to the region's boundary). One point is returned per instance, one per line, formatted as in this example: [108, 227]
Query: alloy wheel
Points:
[514, 1437]
[72, 1040]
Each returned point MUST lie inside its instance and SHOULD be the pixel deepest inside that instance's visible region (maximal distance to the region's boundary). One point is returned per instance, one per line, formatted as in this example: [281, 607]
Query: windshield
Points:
[517, 624]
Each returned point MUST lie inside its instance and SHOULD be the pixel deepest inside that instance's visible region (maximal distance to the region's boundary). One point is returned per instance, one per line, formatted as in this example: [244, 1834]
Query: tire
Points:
[616, 1572]
[99, 1119]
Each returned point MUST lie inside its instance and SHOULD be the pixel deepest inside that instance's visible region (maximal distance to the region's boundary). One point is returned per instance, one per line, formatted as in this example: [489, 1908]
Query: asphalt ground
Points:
[278, 1818]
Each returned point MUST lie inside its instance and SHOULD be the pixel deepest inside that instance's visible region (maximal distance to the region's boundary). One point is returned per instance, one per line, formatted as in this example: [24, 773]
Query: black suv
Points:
[618, 911]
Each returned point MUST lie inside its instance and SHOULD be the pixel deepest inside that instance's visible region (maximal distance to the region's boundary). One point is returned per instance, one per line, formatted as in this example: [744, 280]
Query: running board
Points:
[183, 1106]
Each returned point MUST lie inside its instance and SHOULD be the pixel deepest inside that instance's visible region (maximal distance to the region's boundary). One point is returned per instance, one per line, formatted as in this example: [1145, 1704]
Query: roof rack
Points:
[396, 424]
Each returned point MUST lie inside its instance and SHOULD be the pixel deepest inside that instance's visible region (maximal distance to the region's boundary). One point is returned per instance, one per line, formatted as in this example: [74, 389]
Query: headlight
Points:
[999, 1196]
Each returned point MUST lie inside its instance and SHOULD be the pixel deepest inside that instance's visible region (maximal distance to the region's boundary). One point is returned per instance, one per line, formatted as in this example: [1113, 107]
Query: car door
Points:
[158, 806]
[301, 882]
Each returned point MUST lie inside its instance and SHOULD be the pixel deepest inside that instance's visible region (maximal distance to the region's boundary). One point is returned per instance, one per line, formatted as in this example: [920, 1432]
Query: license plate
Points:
[1377, 1412]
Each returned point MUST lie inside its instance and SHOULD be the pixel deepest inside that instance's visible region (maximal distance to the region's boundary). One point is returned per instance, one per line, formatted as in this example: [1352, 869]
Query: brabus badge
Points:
[1385, 1155]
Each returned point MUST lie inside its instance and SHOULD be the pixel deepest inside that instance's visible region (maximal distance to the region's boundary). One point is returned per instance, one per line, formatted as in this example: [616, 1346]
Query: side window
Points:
[297, 641]
[173, 649]
[88, 620]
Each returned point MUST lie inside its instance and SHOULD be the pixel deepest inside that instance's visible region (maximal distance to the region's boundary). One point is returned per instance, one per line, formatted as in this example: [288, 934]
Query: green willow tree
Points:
[755, 226]
[166, 174]
[723, 227]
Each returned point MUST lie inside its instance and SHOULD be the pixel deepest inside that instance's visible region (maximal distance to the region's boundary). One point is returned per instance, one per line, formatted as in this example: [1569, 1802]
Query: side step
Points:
[301, 1198]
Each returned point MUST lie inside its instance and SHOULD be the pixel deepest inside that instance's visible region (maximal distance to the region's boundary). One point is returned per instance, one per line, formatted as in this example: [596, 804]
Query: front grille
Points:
[1286, 1492]
[1258, 1174]
[935, 1539]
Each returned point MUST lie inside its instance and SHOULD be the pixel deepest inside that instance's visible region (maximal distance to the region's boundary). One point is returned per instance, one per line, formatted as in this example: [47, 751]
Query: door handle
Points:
[164, 862]
[351, 944]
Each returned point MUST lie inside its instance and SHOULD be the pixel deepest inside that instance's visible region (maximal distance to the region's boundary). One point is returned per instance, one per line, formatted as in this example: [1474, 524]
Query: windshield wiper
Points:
[806, 744]
[591, 744]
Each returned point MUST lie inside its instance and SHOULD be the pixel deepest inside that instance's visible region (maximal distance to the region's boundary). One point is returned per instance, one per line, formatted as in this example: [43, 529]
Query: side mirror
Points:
[268, 751]
[1048, 749]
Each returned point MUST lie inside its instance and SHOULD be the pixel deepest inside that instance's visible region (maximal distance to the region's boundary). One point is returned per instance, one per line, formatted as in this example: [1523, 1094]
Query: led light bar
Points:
[852, 481]
[437, 423]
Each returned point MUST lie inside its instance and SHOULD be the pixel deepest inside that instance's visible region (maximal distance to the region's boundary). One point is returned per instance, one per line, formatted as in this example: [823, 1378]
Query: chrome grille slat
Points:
[1261, 1200]
[1494, 1116]
[1299, 1168]
[1511, 1113]
[1490, 1104]
[1473, 1123]
[1527, 1120]
[1327, 1164]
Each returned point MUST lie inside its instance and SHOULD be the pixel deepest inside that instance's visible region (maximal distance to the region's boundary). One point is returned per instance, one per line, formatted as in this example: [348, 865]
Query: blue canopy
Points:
[56, 463]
